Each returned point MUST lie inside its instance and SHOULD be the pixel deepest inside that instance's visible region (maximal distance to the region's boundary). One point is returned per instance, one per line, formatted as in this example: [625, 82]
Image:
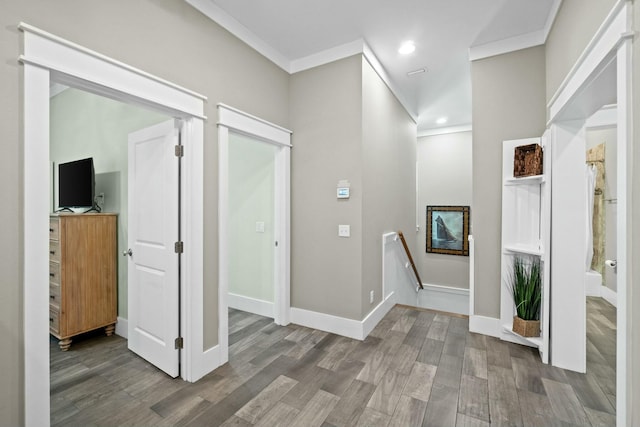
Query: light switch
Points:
[344, 230]
[260, 227]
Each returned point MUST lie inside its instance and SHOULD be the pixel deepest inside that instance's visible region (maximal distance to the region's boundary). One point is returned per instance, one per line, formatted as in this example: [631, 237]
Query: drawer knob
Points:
[51, 230]
[50, 319]
[52, 252]
[52, 275]
[52, 296]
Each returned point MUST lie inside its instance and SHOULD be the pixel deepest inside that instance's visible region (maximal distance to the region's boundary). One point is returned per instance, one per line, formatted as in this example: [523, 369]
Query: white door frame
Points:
[577, 97]
[231, 119]
[47, 58]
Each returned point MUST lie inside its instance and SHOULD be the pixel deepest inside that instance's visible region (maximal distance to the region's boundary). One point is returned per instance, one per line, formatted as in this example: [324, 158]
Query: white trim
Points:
[230, 118]
[610, 295]
[122, 327]
[444, 298]
[229, 23]
[377, 314]
[610, 34]
[326, 322]
[523, 41]
[44, 56]
[246, 123]
[485, 325]
[606, 117]
[444, 131]
[250, 305]
[342, 326]
[499, 47]
[36, 243]
[327, 56]
[209, 361]
[472, 276]
[553, 12]
[624, 250]
[56, 54]
[56, 89]
[372, 59]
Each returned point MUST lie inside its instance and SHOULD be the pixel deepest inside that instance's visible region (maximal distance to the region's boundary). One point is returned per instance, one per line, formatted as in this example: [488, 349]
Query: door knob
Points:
[127, 252]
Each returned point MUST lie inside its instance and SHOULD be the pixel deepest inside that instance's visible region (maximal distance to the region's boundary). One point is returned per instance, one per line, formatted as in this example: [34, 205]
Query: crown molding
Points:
[229, 23]
[512, 44]
[444, 131]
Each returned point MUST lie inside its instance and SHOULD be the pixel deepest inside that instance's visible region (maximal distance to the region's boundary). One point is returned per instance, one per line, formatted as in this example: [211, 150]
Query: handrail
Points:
[413, 266]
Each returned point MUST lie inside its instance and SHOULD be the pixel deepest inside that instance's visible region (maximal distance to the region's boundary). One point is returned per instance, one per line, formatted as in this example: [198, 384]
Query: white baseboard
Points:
[356, 329]
[250, 305]
[210, 360]
[610, 295]
[485, 325]
[122, 327]
[377, 314]
[444, 298]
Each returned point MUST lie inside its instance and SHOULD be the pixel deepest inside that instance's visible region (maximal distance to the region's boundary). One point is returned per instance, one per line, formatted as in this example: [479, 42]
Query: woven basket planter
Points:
[527, 160]
[526, 328]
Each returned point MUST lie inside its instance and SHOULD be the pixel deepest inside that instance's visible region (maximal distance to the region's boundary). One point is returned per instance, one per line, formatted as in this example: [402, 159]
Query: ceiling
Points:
[299, 34]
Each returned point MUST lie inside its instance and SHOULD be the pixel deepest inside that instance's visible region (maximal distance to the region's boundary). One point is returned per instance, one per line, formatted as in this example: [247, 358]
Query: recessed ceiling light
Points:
[407, 47]
[441, 120]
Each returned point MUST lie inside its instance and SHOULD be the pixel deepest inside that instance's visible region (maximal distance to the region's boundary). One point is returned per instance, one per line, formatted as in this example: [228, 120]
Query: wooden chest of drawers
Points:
[82, 274]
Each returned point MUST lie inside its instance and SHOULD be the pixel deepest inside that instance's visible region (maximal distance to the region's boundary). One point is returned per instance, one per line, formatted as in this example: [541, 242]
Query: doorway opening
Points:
[44, 55]
[254, 219]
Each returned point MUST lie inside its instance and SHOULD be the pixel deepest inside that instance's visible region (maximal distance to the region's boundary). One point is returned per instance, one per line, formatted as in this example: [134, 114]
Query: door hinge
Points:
[179, 150]
[179, 247]
[179, 342]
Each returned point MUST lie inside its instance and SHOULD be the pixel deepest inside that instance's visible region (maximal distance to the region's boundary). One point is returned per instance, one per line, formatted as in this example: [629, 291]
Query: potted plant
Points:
[526, 288]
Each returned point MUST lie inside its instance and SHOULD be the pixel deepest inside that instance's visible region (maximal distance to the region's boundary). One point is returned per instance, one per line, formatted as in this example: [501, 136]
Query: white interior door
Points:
[153, 282]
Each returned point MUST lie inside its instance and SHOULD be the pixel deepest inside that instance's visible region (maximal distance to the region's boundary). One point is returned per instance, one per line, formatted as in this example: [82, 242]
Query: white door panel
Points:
[153, 230]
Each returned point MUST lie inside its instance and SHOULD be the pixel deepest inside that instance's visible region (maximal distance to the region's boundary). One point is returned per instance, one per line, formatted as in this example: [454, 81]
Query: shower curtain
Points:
[590, 175]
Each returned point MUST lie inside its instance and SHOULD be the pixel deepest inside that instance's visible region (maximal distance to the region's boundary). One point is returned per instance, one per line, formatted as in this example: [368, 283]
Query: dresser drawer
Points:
[54, 250]
[54, 294]
[54, 319]
[54, 272]
[54, 228]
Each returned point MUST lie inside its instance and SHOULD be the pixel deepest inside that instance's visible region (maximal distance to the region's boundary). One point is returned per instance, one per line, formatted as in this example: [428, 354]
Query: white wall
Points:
[86, 125]
[444, 179]
[251, 200]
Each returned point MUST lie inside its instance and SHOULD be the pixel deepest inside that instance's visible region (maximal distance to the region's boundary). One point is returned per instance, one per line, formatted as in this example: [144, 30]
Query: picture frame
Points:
[448, 230]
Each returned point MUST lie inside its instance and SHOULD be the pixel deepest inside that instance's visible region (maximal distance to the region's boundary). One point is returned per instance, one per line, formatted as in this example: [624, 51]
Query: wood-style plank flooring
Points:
[417, 368]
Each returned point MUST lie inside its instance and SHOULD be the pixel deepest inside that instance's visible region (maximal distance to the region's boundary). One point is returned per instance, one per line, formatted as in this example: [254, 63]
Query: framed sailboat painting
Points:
[448, 230]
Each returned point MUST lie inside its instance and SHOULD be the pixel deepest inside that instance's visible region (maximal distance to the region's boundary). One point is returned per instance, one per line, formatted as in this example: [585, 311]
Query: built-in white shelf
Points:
[525, 180]
[533, 341]
[525, 231]
[519, 248]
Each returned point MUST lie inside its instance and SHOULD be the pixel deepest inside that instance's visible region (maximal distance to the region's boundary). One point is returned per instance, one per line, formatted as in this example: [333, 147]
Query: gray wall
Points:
[444, 178]
[575, 25]
[508, 102]
[326, 119]
[347, 125]
[86, 125]
[173, 41]
[389, 159]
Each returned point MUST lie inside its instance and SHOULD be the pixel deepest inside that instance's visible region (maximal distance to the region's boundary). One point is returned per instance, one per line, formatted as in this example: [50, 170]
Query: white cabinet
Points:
[526, 214]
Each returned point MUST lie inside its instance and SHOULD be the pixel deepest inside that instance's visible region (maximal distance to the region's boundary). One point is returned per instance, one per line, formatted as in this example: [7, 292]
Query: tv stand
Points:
[64, 210]
[94, 208]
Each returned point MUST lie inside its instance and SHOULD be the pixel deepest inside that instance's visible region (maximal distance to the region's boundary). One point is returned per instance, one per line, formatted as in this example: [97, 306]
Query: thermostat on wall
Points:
[343, 189]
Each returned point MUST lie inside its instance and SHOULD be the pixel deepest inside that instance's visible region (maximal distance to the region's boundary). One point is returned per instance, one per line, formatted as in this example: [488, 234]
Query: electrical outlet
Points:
[371, 296]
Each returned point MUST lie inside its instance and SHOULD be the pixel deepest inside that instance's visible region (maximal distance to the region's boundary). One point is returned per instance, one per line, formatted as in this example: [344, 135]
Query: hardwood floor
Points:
[417, 368]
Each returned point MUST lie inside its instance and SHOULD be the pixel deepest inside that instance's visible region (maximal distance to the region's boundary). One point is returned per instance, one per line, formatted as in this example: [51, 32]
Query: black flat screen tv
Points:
[76, 184]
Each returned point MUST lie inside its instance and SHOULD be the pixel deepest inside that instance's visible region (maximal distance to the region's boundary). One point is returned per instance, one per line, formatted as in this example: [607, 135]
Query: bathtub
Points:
[593, 283]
